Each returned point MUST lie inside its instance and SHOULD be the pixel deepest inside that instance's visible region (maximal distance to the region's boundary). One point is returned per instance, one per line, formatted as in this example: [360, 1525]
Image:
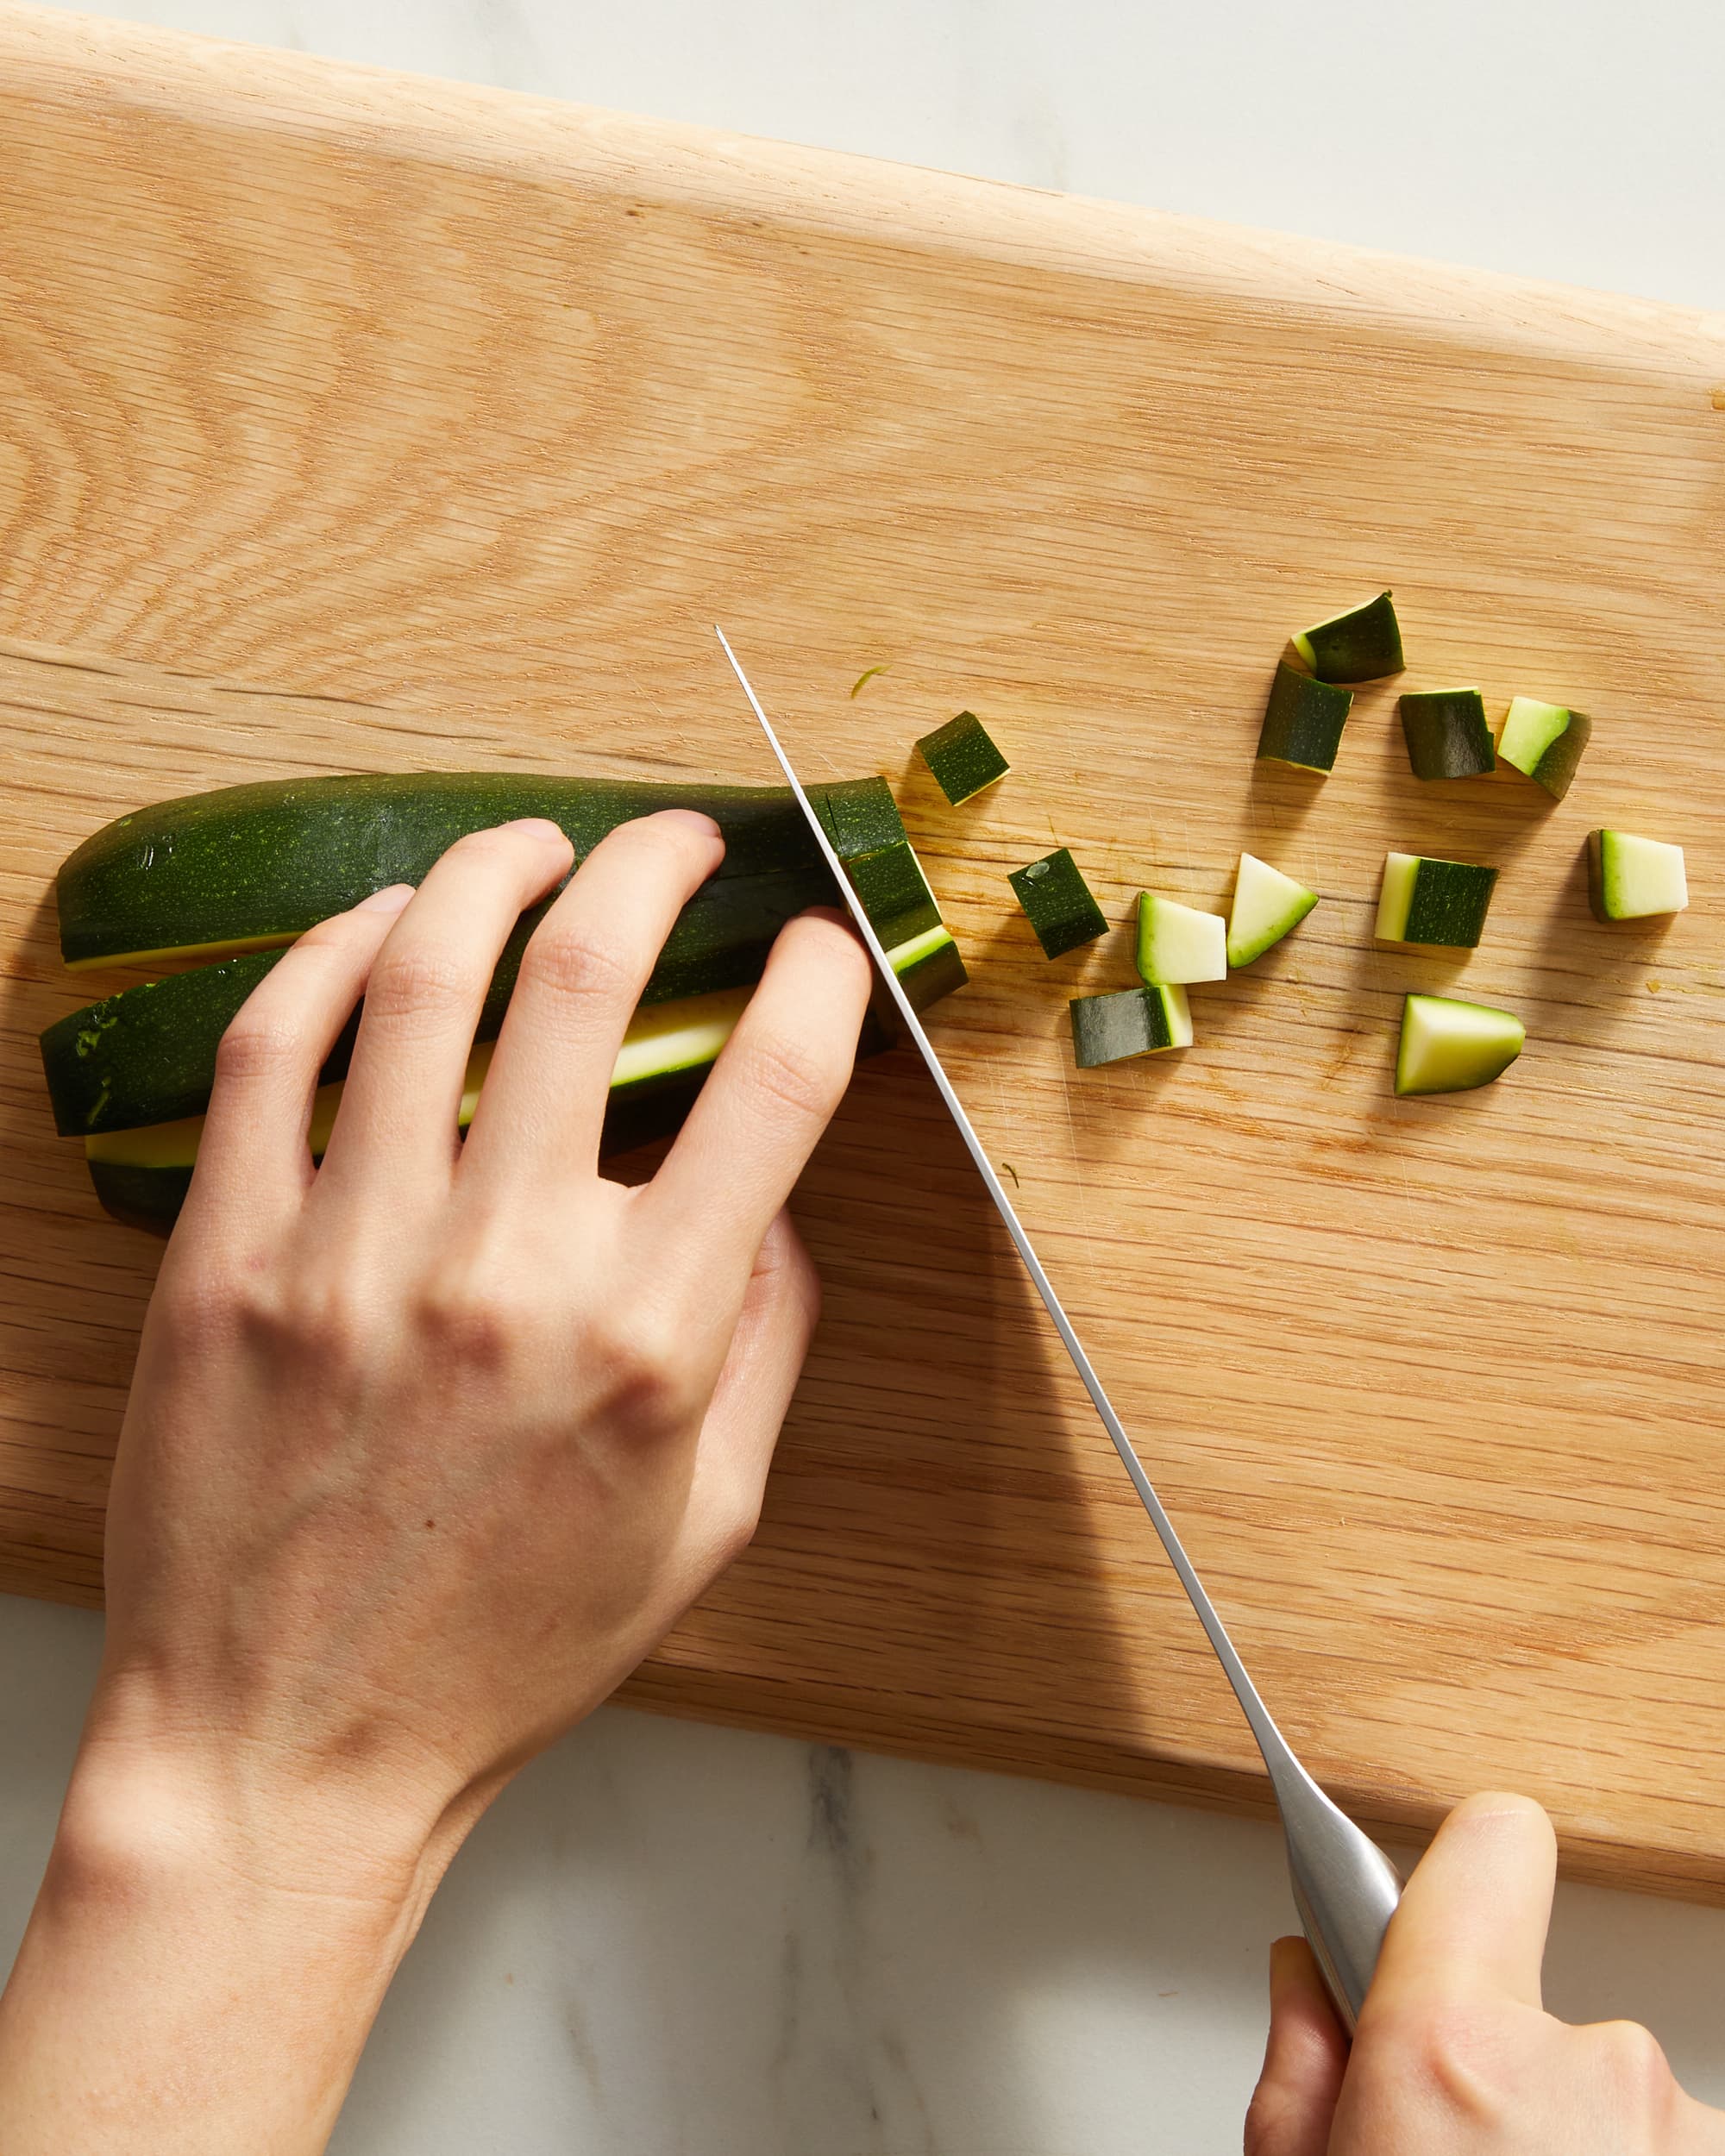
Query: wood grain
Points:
[349, 421]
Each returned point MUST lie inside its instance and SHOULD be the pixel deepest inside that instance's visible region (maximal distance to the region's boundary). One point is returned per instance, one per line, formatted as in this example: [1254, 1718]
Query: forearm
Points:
[179, 1990]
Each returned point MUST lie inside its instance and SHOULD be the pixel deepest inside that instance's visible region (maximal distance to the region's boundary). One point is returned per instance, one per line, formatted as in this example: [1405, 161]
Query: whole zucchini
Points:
[132, 1074]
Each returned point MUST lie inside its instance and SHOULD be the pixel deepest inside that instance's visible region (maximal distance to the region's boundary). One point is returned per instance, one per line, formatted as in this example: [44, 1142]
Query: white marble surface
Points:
[674, 1942]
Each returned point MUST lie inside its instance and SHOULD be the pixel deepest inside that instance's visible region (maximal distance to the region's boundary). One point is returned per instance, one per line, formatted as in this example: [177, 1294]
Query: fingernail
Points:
[705, 824]
[540, 827]
[391, 899]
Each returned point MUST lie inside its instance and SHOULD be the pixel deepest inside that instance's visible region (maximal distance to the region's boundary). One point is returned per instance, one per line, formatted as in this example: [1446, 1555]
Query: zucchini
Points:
[1628, 879]
[1058, 900]
[1545, 741]
[1446, 734]
[1177, 943]
[1448, 1046]
[1107, 1029]
[250, 867]
[1266, 905]
[1303, 721]
[962, 757]
[1425, 901]
[1362, 645]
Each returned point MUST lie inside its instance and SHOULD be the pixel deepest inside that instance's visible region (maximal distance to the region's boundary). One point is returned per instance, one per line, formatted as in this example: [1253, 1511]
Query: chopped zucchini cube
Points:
[1178, 944]
[1628, 879]
[1056, 898]
[962, 757]
[1266, 905]
[895, 894]
[1303, 721]
[860, 815]
[1446, 734]
[1134, 1022]
[1362, 645]
[1448, 1046]
[1425, 901]
[1545, 741]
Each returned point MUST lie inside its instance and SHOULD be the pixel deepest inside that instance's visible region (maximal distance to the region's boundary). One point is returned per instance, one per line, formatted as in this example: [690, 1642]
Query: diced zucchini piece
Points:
[895, 894]
[1630, 878]
[1448, 1046]
[1133, 1022]
[1545, 741]
[1303, 721]
[1178, 944]
[1446, 734]
[929, 967]
[1362, 645]
[962, 757]
[1426, 901]
[1266, 905]
[1053, 893]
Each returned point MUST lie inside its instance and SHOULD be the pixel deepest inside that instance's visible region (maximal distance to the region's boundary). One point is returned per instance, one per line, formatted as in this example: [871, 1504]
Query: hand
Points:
[1455, 2055]
[425, 1449]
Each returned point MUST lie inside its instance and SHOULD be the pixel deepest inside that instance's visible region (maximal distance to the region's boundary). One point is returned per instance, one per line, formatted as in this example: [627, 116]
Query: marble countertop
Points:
[670, 1940]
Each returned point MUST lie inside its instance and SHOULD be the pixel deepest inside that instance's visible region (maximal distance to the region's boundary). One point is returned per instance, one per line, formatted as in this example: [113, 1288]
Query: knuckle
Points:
[472, 1316]
[571, 962]
[419, 986]
[791, 1075]
[257, 1043]
[735, 1526]
[1634, 2066]
[645, 1372]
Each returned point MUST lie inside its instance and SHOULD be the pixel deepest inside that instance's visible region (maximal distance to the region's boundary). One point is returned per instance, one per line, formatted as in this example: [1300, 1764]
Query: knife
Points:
[1344, 1888]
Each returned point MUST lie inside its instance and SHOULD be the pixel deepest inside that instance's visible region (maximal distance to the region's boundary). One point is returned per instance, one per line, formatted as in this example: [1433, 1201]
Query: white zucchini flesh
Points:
[1267, 903]
[1449, 1046]
[1635, 878]
[1178, 944]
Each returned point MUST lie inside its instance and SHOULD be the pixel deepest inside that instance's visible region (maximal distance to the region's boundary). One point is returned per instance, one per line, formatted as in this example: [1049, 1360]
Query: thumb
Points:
[1303, 2062]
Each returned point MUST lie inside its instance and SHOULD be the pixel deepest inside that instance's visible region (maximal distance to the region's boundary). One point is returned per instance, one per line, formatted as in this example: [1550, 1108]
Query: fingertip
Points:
[696, 821]
[541, 827]
[392, 899]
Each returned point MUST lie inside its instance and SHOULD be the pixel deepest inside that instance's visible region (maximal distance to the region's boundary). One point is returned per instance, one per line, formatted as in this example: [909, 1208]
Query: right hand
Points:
[1455, 2054]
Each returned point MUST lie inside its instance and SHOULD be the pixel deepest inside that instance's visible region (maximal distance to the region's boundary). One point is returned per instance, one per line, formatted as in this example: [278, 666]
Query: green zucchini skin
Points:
[1362, 645]
[1058, 903]
[962, 757]
[251, 862]
[1446, 734]
[1303, 721]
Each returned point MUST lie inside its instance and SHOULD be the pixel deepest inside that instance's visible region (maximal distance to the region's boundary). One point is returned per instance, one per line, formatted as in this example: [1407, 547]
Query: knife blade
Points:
[1344, 1888]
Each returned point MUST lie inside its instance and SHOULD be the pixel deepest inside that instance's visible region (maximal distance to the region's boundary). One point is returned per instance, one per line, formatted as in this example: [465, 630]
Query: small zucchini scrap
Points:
[1448, 1046]
[1446, 734]
[1108, 1028]
[1058, 900]
[1362, 645]
[1177, 943]
[1545, 741]
[1630, 878]
[1426, 901]
[962, 757]
[1303, 721]
[1266, 905]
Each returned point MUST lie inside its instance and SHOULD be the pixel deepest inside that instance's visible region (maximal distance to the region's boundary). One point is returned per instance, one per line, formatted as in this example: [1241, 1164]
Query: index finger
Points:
[1473, 1916]
[755, 1121]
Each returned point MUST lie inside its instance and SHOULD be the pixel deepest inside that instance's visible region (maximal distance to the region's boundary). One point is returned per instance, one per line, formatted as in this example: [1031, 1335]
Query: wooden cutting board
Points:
[351, 422]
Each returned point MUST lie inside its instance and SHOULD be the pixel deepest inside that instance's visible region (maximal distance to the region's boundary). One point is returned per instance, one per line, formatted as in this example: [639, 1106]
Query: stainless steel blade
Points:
[1344, 1888]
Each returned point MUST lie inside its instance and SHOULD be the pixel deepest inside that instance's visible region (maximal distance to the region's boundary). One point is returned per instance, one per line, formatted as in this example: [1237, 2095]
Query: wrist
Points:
[228, 1823]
